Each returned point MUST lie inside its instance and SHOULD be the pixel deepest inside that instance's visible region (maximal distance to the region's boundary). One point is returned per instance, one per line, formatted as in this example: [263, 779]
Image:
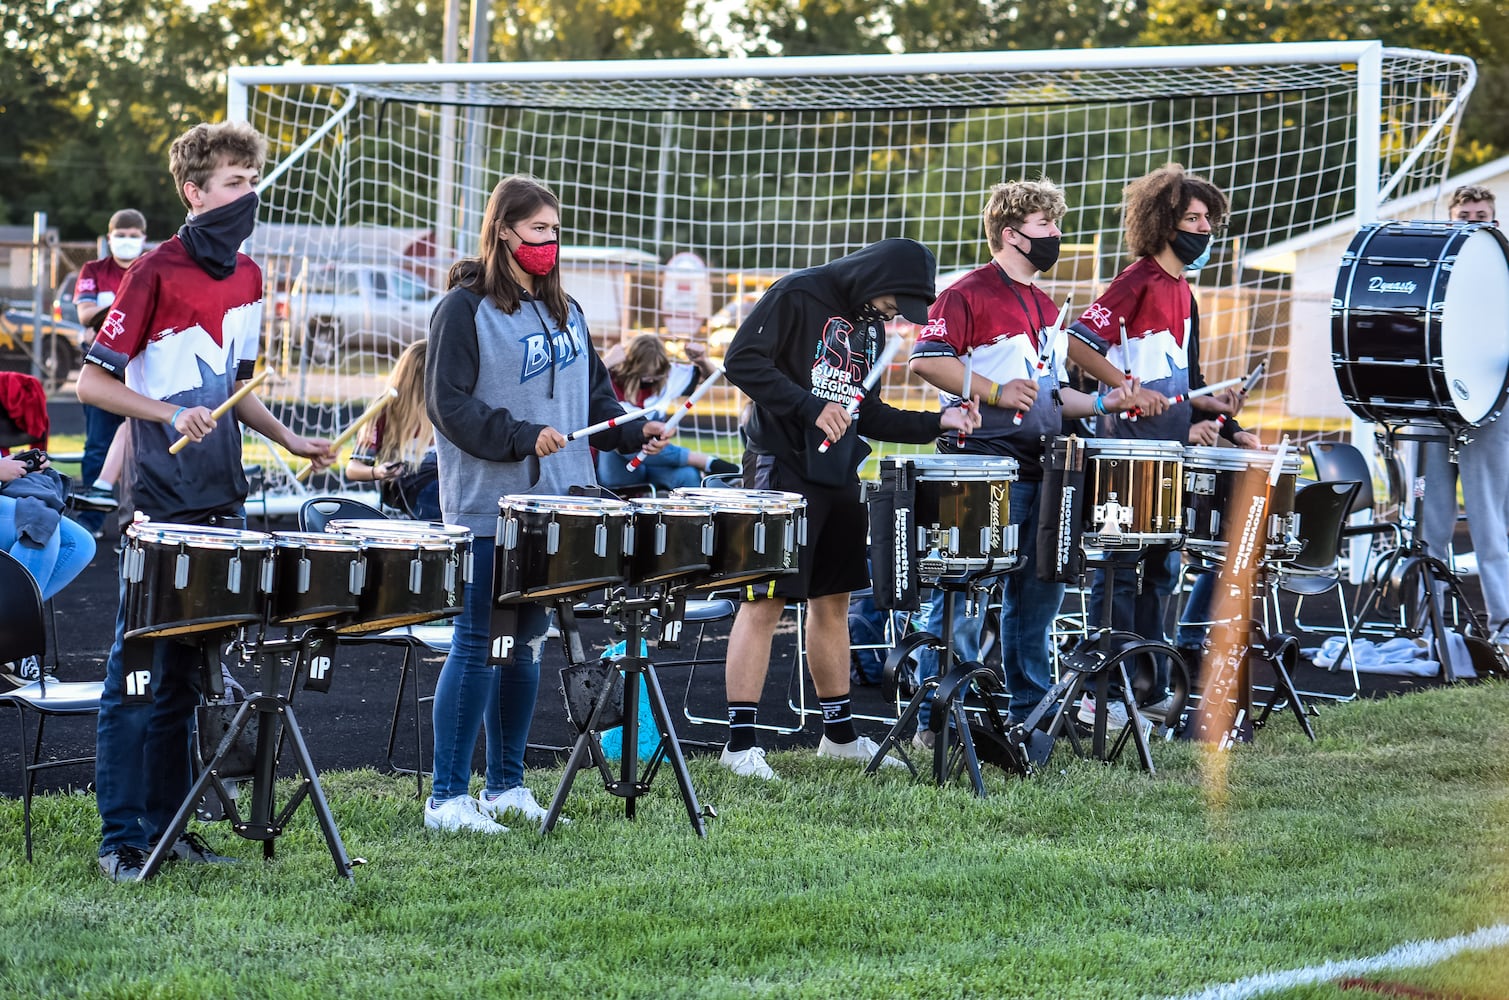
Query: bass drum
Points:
[1420, 323]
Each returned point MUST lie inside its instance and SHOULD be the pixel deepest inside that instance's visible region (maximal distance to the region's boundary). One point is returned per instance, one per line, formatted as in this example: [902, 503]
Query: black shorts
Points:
[835, 558]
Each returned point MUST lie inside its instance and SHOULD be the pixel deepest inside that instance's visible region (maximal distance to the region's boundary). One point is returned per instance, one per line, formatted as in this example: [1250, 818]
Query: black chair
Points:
[1322, 509]
[415, 640]
[23, 634]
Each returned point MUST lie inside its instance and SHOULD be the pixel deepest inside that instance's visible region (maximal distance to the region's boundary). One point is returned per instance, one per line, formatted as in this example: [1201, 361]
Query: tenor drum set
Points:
[648, 555]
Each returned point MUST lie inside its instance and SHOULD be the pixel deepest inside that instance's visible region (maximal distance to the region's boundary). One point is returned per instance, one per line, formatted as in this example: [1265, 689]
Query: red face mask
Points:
[537, 259]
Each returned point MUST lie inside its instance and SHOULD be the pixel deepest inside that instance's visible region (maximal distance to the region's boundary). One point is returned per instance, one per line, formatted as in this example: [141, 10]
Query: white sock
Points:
[100, 484]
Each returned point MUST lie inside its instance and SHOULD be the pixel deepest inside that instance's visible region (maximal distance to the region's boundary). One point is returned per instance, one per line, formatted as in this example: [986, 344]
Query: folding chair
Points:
[22, 634]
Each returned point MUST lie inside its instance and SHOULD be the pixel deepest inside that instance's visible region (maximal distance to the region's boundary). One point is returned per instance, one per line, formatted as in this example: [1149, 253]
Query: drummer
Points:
[180, 335]
[802, 356]
[1146, 327]
[997, 316]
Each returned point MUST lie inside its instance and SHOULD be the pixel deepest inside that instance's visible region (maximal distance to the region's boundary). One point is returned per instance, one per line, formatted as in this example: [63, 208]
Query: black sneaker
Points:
[192, 849]
[19, 673]
[124, 864]
[95, 498]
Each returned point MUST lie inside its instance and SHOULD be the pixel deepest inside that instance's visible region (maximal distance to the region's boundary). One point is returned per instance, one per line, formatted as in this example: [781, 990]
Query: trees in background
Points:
[93, 91]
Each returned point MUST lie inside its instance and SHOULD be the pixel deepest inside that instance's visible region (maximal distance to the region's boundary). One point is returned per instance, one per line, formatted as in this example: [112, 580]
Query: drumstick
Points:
[1252, 378]
[966, 395]
[611, 422]
[224, 407]
[691, 401]
[351, 428]
[1050, 337]
[1126, 369]
[1206, 390]
[871, 379]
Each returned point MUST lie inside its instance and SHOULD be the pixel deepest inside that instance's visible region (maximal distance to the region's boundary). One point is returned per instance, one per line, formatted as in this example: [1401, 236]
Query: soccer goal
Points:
[377, 177]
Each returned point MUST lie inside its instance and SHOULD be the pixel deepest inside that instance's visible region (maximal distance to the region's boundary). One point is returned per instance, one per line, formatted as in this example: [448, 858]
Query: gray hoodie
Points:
[493, 381]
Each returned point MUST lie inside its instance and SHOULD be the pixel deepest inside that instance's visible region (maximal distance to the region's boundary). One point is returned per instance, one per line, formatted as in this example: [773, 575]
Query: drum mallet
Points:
[377, 407]
[691, 401]
[223, 408]
[611, 422]
[871, 380]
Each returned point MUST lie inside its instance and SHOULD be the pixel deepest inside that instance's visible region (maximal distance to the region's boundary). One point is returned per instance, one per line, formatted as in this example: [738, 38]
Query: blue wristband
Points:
[1100, 404]
[173, 420]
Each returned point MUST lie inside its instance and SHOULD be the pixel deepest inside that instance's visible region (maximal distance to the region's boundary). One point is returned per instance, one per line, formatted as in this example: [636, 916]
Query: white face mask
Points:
[126, 247]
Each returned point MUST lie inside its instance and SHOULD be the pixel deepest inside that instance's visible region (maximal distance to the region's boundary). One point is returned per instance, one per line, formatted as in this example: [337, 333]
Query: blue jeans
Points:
[99, 430]
[470, 690]
[667, 469]
[1028, 606]
[54, 565]
[1197, 608]
[141, 771]
[1142, 613]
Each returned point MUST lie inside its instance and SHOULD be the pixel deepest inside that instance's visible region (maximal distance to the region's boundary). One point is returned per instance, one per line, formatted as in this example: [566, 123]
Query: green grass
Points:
[1085, 881]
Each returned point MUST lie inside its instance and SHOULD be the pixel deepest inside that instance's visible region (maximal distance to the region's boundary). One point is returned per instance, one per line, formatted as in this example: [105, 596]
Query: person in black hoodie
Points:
[801, 356]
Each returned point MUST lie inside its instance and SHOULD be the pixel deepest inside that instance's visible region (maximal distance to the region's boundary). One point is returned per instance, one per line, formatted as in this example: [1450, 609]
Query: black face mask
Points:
[213, 238]
[1044, 252]
[1189, 246]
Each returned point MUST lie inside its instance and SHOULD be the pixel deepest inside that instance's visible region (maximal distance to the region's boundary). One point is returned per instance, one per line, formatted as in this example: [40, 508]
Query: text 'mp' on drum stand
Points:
[945, 521]
[1420, 345]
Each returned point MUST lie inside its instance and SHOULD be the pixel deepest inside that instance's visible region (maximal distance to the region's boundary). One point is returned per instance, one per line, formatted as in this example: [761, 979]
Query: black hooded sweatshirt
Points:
[805, 344]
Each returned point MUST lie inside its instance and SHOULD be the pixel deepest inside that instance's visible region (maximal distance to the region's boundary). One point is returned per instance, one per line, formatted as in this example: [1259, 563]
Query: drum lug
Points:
[233, 575]
[1199, 482]
[510, 532]
[629, 539]
[134, 564]
[801, 527]
[181, 571]
[304, 567]
[707, 538]
[599, 539]
[269, 573]
[467, 563]
[953, 539]
[449, 579]
[553, 537]
[358, 576]
[660, 538]
[759, 537]
[416, 575]
[1009, 536]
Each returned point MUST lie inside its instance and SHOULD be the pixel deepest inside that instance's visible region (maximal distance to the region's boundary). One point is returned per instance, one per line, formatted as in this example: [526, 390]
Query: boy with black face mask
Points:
[1145, 326]
[181, 334]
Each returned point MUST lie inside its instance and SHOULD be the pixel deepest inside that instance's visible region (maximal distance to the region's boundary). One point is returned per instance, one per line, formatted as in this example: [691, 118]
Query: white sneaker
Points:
[924, 739]
[861, 751]
[747, 763]
[516, 800]
[459, 813]
[1116, 715]
[1158, 709]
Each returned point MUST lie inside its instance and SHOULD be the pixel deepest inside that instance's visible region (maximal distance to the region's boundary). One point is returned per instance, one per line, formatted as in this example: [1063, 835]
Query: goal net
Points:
[377, 177]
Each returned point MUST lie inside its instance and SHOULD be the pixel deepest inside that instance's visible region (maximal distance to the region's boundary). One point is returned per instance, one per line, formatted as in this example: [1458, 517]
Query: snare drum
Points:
[460, 538]
[756, 534]
[1133, 493]
[315, 576]
[669, 538]
[413, 574]
[1219, 485]
[550, 545]
[182, 578]
[1417, 328]
[963, 512]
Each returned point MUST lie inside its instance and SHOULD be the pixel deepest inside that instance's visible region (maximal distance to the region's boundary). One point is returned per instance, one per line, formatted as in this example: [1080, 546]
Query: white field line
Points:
[1411, 955]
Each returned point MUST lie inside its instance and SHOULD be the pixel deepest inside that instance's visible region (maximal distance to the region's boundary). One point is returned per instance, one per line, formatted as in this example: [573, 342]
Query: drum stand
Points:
[271, 716]
[958, 744]
[1420, 584]
[628, 785]
[1230, 684]
[1098, 659]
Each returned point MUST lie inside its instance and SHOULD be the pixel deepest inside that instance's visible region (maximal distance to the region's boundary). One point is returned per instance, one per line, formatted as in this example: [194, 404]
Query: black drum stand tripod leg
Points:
[672, 746]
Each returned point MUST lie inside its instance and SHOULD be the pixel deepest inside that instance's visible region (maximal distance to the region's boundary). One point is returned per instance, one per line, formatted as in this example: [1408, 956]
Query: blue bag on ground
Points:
[649, 736]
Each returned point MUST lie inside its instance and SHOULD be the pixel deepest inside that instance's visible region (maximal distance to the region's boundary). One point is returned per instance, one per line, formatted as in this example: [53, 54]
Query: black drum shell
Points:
[332, 586]
[973, 494]
[588, 553]
[156, 606]
[1144, 475]
[1219, 485]
[412, 575]
[669, 540]
[757, 535]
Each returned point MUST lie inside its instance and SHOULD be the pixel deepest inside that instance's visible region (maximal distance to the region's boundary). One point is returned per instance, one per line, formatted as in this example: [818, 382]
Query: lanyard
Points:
[1042, 321]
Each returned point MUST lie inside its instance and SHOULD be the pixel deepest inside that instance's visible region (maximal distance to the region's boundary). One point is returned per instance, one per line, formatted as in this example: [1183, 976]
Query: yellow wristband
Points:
[995, 394]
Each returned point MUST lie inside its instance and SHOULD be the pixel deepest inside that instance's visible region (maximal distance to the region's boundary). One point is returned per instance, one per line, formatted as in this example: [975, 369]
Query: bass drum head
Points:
[1475, 326]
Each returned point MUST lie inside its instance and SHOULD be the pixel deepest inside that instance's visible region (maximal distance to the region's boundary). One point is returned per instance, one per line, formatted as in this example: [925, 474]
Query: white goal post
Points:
[377, 176]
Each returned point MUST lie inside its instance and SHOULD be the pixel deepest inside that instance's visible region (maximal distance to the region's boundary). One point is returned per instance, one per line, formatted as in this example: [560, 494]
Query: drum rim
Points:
[1237, 459]
[554, 504]
[211, 537]
[759, 499]
[954, 461]
[317, 539]
[674, 506]
[1130, 448]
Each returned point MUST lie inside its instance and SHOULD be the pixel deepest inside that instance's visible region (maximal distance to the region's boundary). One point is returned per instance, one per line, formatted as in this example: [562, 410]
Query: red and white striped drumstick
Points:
[611, 422]
[691, 401]
[1126, 358]
[876, 371]
[1206, 390]
[1050, 337]
[965, 396]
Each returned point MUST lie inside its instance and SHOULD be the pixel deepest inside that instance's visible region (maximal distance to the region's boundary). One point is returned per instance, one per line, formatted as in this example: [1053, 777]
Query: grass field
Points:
[1085, 881]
